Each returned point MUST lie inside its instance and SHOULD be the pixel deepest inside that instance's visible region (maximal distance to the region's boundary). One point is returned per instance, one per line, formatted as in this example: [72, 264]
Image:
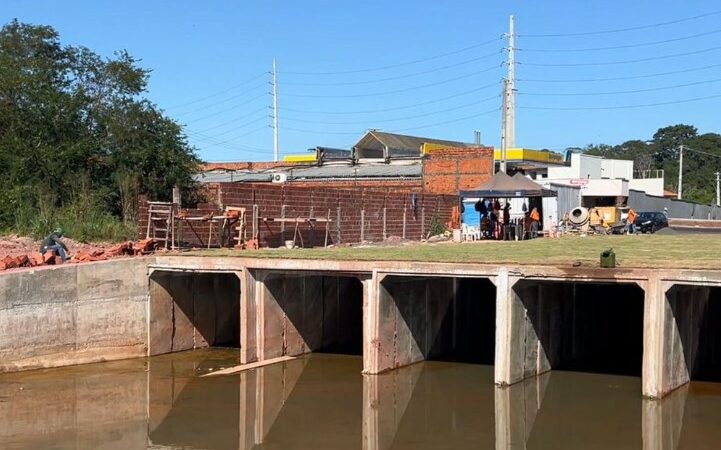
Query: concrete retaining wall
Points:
[73, 314]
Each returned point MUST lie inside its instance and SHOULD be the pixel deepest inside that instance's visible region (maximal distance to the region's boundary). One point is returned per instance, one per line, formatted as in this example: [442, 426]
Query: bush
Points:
[83, 218]
[436, 226]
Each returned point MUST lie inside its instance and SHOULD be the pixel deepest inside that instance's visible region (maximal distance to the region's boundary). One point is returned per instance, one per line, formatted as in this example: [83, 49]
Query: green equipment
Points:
[608, 259]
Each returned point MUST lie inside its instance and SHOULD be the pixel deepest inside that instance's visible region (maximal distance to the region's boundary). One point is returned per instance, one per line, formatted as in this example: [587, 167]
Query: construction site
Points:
[273, 244]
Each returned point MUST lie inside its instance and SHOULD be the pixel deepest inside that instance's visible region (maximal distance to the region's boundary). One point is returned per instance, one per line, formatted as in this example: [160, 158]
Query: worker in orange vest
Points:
[535, 222]
[631, 221]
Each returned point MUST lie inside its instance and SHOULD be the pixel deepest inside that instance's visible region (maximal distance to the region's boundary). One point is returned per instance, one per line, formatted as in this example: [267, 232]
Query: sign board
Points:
[579, 182]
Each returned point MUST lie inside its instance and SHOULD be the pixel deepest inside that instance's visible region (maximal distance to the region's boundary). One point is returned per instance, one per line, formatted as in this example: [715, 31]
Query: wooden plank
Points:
[254, 365]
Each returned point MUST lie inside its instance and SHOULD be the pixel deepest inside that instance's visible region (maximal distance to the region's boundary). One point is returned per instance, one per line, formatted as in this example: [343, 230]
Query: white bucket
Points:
[289, 244]
[457, 235]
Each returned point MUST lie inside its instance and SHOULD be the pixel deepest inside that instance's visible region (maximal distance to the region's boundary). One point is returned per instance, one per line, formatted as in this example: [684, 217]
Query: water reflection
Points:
[322, 401]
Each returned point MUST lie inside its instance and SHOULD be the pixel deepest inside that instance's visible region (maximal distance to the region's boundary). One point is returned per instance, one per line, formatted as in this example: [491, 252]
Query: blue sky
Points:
[426, 68]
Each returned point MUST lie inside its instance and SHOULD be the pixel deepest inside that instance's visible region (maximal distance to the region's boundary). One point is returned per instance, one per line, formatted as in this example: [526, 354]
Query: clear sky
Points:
[418, 67]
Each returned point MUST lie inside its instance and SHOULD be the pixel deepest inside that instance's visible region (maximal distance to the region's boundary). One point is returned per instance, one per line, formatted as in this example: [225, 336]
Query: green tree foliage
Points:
[662, 152]
[78, 142]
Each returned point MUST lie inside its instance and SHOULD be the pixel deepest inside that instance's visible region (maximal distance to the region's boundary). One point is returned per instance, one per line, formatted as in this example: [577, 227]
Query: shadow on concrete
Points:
[321, 313]
[584, 327]
[697, 314]
[448, 319]
[193, 310]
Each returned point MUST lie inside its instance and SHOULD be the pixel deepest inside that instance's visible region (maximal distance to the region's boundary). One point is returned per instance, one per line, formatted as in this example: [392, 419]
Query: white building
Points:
[604, 182]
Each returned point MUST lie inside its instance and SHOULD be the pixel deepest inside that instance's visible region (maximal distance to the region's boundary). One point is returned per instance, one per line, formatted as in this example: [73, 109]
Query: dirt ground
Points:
[14, 245]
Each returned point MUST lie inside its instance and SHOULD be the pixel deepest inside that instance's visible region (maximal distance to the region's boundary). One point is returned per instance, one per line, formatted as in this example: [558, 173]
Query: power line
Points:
[634, 91]
[397, 91]
[397, 119]
[218, 92]
[621, 30]
[676, 102]
[228, 109]
[402, 64]
[458, 119]
[397, 108]
[240, 127]
[399, 77]
[226, 100]
[618, 47]
[235, 120]
[686, 148]
[633, 77]
[628, 61]
[219, 142]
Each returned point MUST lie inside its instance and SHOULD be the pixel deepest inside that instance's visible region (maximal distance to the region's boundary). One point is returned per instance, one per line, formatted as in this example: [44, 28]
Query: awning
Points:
[503, 186]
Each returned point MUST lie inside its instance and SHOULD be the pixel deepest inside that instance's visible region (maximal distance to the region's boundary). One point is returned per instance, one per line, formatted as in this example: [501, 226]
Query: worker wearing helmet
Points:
[52, 243]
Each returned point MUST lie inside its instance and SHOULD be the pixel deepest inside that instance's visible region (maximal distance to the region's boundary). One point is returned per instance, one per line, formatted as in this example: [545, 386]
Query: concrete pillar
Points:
[516, 408]
[662, 421]
[404, 324]
[664, 364]
[519, 352]
[248, 316]
[379, 315]
[385, 399]
[263, 393]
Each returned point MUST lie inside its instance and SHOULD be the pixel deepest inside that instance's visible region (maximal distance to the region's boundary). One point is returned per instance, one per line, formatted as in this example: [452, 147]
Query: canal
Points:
[322, 401]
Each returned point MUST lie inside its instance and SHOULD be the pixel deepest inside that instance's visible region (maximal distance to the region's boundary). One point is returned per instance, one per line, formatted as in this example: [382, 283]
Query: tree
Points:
[701, 159]
[75, 130]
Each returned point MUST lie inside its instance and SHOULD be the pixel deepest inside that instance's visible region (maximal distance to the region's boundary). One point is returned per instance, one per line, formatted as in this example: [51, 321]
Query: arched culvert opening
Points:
[443, 318]
[697, 315]
[191, 310]
[313, 313]
[584, 327]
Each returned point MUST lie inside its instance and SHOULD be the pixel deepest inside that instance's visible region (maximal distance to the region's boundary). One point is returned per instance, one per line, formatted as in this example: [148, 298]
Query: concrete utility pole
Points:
[680, 172]
[718, 192]
[511, 86]
[275, 114]
[508, 107]
[504, 130]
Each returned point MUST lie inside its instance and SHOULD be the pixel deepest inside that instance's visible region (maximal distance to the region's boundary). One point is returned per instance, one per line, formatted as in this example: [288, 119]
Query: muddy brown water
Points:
[323, 402]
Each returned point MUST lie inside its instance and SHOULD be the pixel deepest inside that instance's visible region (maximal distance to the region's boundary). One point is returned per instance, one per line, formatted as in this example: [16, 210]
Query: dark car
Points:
[650, 222]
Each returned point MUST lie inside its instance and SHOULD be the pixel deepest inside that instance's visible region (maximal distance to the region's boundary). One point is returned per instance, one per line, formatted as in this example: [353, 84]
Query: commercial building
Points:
[379, 160]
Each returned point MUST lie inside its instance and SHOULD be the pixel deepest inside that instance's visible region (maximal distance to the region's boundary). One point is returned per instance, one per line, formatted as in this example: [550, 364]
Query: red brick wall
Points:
[346, 206]
[449, 170]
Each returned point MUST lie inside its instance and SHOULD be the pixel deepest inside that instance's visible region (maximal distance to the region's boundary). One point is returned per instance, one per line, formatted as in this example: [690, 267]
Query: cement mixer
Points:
[578, 218]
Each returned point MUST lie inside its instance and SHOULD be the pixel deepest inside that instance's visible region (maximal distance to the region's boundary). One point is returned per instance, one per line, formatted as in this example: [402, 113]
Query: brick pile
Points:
[142, 247]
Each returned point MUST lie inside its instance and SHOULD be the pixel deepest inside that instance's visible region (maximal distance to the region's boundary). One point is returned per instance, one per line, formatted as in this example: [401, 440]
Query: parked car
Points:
[651, 222]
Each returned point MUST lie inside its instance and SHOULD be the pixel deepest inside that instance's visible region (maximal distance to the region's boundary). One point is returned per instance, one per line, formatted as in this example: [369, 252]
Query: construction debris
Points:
[142, 247]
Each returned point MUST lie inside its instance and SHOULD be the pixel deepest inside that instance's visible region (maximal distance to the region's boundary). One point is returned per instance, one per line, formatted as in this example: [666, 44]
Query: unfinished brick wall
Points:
[361, 214]
[447, 171]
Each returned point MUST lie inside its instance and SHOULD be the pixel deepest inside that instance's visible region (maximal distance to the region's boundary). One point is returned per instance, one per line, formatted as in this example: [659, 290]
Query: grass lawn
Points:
[668, 251]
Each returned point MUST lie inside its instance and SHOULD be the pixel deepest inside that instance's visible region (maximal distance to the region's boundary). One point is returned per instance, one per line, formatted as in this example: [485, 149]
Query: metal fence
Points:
[675, 209]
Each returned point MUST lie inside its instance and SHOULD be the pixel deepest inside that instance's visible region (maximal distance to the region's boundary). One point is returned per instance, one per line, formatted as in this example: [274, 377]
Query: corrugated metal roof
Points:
[226, 176]
[409, 170]
[377, 140]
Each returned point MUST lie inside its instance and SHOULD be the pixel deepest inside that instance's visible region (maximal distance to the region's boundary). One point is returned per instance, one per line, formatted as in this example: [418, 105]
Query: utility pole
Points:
[511, 86]
[508, 107]
[680, 172]
[275, 114]
[718, 192]
[504, 129]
